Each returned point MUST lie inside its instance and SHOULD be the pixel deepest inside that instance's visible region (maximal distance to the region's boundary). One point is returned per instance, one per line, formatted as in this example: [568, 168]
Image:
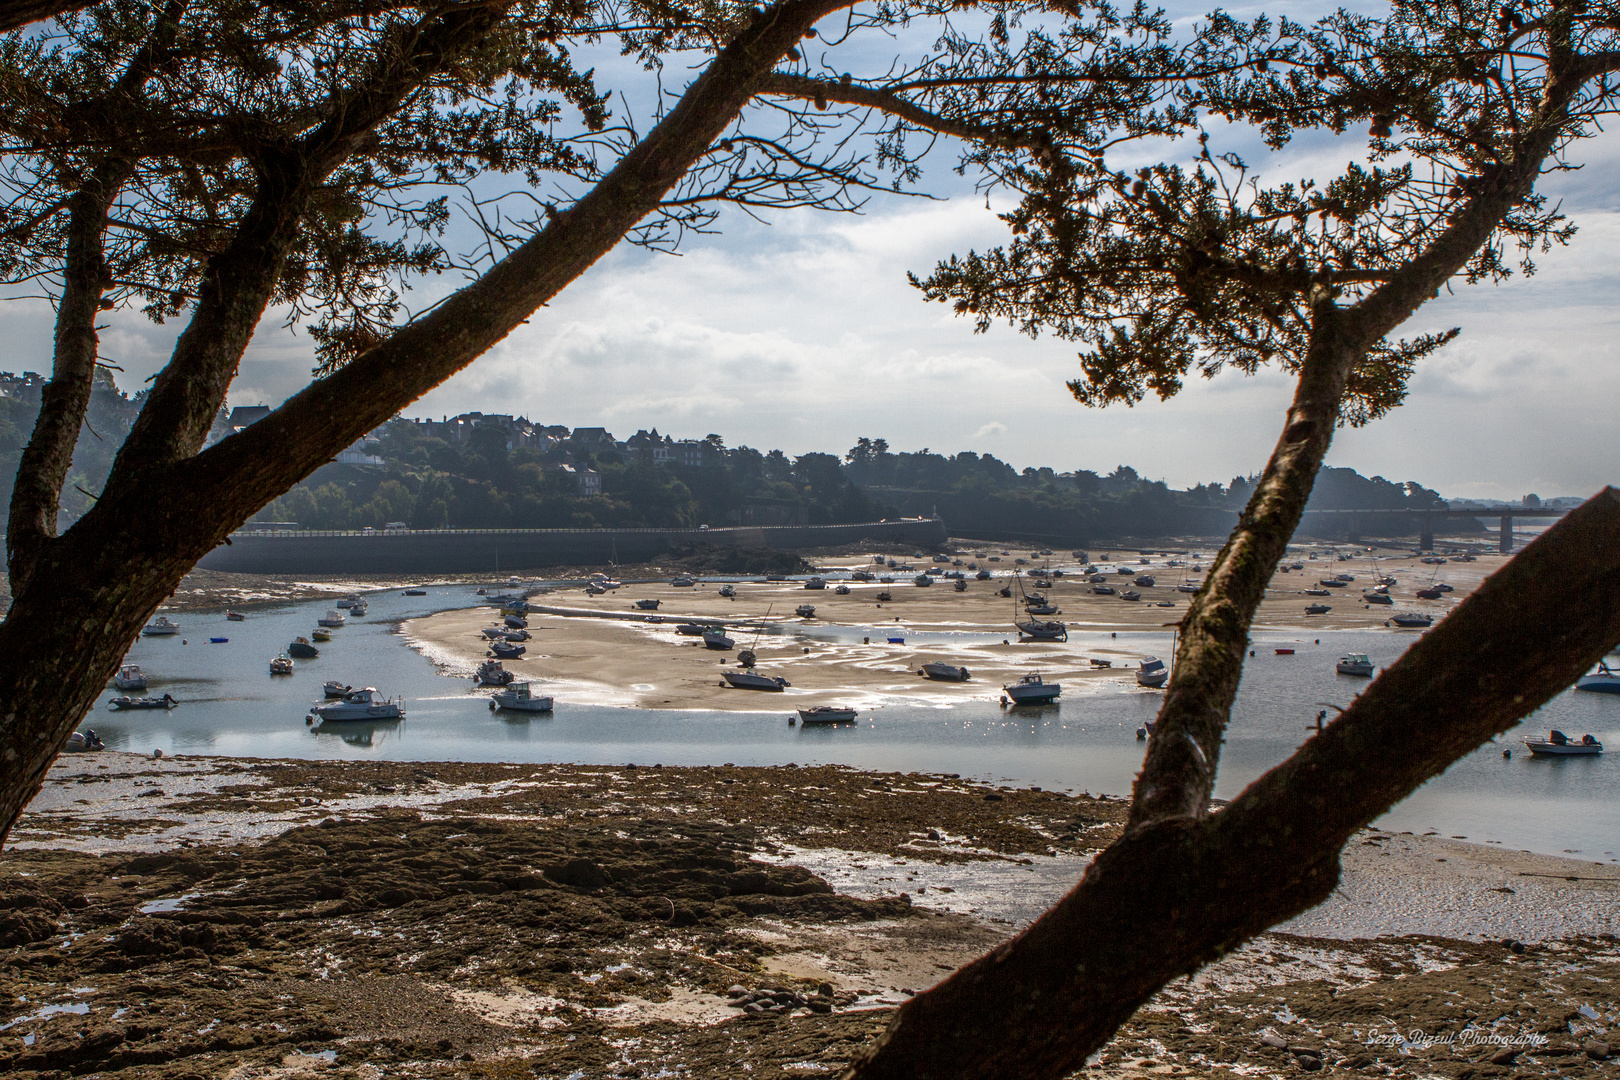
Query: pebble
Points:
[1596, 1050]
[1271, 1038]
[1308, 1062]
[1505, 1057]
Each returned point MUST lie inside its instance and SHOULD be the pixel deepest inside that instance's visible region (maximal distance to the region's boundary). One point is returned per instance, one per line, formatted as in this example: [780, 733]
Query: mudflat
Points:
[211, 917]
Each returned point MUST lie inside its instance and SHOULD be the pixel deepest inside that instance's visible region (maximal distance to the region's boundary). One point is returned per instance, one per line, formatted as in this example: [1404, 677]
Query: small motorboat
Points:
[922, 579]
[886, 579]
[1378, 598]
[160, 627]
[684, 581]
[281, 665]
[748, 680]
[524, 635]
[130, 677]
[826, 714]
[235, 616]
[1042, 609]
[495, 633]
[333, 618]
[1354, 664]
[690, 629]
[1144, 581]
[1318, 592]
[982, 575]
[1411, 620]
[593, 589]
[816, 583]
[219, 641]
[1044, 630]
[333, 689]
[1130, 594]
[1429, 594]
[884, 596]
[648, 605]
[1032, 690]
[728, 590]
[805, 611]
[961, 585]
[1103, 590]
[507, 650]
[415, 592]
[715, 638]
[519, 697]
[1558, 744]
[944, 672]
[1331, 583]
[164, 702]
[320, 633]
[348, 601]
[301, 648]
[1443, 587]
[364, 704]
[491, 673]
[1604, 680]
[1188, 587]
[1317, 609]
[1152, 673]
[515, 622]
[358, 608]
[842, 590]
[1283, 652]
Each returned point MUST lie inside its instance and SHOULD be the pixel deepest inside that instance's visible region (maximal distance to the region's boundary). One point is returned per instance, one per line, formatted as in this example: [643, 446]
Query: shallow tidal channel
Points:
[231, 706]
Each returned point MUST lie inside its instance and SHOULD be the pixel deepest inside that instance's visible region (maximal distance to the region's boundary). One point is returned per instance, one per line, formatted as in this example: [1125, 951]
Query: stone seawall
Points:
[475, 551]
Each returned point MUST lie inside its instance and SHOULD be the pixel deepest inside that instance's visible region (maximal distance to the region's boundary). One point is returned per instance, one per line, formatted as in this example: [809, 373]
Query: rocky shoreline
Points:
[227, 918]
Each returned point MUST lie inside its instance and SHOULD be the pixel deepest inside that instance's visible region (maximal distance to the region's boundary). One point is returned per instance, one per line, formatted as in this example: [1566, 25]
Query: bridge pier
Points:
[1426, 537]
[1505, 543]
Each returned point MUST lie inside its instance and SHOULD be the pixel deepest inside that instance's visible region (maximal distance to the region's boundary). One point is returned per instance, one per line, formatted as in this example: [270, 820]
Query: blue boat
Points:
[1602, 681]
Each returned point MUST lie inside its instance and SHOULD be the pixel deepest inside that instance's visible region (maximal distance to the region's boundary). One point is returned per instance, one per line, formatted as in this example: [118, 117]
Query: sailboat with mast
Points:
[1033, 628]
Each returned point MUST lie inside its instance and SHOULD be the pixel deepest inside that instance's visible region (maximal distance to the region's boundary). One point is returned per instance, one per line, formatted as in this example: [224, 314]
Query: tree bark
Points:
[123, 558]
[36, 498]
[1174, 894]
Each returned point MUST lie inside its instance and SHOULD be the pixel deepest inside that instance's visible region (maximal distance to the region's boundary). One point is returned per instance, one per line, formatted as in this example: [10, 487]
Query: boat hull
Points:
[747, 680]
[944, 672]
[826, 716]
[511, 703]
[1599, 684]
[1033, 695]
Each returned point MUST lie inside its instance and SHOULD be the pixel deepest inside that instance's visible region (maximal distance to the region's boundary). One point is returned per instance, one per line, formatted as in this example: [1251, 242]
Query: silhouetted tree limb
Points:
[18, 13]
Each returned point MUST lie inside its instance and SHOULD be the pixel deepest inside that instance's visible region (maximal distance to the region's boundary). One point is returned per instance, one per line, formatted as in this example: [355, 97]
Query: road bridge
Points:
[1504, 516]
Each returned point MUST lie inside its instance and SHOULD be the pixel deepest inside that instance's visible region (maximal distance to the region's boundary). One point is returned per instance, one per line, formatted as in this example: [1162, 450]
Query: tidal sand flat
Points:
[859, 650]
[211, 917]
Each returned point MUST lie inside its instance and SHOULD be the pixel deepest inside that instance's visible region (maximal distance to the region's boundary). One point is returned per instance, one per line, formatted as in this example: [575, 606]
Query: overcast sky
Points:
[803, 334]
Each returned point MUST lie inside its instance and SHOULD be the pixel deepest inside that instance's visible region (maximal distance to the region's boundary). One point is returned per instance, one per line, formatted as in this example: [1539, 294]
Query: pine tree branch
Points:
[16, 13]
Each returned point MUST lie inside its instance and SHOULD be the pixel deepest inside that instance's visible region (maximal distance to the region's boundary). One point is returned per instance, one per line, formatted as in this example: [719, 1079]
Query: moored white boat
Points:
[1354, 664]
[363, 704]
[160, 627]
[748, 680]
[332, 618]
[333, 689]
[1032, 690]
[1557, 744]
[164, 702]
[1151, 672]
[519, 697]
[827, 714]
[944, 672]
[281, 665]
[130, 677]
[715, 638]
[1411, 620]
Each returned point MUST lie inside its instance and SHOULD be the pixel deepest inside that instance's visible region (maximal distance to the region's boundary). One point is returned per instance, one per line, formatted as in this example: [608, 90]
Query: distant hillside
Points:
[484, 476]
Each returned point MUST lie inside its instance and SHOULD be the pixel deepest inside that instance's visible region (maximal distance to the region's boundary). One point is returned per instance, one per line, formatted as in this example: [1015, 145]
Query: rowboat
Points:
[944, 672]
[827, 714]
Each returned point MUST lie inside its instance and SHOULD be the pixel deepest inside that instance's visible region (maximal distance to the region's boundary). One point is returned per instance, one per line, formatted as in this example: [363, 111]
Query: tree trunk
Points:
[1172, 895]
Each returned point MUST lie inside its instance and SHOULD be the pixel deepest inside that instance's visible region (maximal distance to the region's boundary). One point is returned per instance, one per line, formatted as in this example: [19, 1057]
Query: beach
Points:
[206, 916]
[861, 651]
